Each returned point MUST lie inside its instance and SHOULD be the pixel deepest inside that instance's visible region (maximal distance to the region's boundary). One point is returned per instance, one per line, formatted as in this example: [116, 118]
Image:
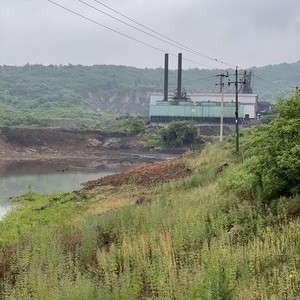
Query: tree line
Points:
[32, 94]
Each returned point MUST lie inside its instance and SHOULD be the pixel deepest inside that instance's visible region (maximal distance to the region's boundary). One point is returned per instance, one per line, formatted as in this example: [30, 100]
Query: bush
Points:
[179, 133]
[152, 140]
[274, 150]
[134, 125]
[240, 180]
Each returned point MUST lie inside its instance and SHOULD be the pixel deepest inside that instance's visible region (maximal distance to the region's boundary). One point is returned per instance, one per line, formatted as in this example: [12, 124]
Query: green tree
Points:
[179, 133]
[274, 150]
[134, 125]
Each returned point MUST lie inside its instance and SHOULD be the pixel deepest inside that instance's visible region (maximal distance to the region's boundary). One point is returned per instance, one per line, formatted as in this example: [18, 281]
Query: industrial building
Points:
[202, 107]
[200, 112]
[205, 106]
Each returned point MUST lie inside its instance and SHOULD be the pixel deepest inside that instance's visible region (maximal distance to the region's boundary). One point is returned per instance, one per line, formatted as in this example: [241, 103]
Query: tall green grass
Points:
[194, 239]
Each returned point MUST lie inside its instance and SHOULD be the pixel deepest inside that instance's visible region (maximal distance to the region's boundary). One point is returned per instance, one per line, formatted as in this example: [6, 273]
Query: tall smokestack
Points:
[179, 75]
[166, 77]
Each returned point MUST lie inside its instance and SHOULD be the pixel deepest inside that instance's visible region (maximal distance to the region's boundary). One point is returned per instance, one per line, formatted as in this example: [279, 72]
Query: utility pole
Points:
[222, 104]
[236, 82]
[237, 143]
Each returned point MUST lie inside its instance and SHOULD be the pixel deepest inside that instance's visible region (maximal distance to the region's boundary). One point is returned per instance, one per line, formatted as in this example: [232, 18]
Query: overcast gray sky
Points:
[238, 32]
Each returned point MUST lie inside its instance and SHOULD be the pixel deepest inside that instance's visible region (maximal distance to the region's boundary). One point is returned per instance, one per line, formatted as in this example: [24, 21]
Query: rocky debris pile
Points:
[145, 176]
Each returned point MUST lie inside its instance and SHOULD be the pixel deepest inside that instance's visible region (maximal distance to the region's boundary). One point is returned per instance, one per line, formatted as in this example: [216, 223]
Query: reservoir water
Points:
[45, 177]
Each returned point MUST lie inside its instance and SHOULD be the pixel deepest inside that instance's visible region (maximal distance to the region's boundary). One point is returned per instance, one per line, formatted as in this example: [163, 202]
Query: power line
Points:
[143, 31]
[165, 37]
[272, 83]
[201, 79]
[120, 33]
[192, 61]
[192, 82]
[99, 10]
[99, 24]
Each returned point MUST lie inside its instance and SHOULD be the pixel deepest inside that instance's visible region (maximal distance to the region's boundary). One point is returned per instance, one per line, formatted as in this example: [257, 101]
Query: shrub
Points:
[179, 133]
[134, 125]
[274, 150]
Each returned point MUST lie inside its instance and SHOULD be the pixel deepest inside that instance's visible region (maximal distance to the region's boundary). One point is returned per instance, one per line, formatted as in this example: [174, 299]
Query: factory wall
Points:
[202, 112]
[249, 102]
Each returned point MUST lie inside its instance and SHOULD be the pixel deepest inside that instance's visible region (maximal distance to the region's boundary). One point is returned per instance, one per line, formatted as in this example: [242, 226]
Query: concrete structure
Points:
[248, 102]
[203, 107]
[204, 112]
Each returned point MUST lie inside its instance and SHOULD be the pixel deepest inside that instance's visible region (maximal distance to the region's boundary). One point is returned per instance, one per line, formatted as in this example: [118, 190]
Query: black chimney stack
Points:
[166, 77]
[179, 76]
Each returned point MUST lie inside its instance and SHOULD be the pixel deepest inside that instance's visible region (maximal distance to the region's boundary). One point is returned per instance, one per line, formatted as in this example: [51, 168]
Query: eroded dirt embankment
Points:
[92, 147]
[149, 175]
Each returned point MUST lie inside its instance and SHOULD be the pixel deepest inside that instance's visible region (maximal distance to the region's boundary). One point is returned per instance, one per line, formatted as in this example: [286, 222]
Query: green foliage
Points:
[34, 95]
[289, 109]
[192, 240]
[240, 179]
[38, 210]
[153, 140]
[39, 96]
[266, 119]
[271, 152]
[179, 133]
[134, 125]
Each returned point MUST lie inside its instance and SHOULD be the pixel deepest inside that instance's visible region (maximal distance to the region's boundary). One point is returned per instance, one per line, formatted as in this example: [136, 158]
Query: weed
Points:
[201, 237]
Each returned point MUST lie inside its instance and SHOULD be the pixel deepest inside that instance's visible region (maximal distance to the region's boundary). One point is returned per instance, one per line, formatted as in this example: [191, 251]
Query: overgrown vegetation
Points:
[63, 96]
[179, 133]
[229, 231]
[271, 154]
[133, 125]
[175, 134]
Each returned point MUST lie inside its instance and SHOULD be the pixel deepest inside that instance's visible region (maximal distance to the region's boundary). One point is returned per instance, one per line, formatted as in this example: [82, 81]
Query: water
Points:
[45, 177]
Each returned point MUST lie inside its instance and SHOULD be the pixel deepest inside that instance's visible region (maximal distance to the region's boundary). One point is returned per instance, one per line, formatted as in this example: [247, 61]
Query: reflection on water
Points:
[45, 178]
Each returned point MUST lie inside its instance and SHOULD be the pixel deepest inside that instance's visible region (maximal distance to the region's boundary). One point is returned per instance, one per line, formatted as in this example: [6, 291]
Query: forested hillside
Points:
[37, 95]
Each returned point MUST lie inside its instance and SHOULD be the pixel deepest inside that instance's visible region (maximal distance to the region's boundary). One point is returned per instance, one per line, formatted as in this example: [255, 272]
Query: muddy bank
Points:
[67, 149]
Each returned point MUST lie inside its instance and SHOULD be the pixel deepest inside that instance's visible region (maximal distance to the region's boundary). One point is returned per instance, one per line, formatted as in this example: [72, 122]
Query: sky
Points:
[229, 33]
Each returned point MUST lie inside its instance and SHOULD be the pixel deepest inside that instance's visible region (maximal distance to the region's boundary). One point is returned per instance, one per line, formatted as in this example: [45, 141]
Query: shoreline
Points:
[58, 145]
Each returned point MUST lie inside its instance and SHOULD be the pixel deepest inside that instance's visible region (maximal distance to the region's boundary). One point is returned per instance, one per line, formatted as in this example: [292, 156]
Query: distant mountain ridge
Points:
[76, 91]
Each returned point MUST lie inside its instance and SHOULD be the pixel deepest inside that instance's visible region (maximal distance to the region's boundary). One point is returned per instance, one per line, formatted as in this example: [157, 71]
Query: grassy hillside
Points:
[36, 95]
[217, 234]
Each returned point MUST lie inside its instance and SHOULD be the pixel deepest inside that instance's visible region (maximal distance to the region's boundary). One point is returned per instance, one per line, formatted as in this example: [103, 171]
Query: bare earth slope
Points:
[146, 176]
[93, 147]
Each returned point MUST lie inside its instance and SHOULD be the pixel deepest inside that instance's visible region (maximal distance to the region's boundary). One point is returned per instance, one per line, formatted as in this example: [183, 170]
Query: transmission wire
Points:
[164, 36]
[120, 33]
